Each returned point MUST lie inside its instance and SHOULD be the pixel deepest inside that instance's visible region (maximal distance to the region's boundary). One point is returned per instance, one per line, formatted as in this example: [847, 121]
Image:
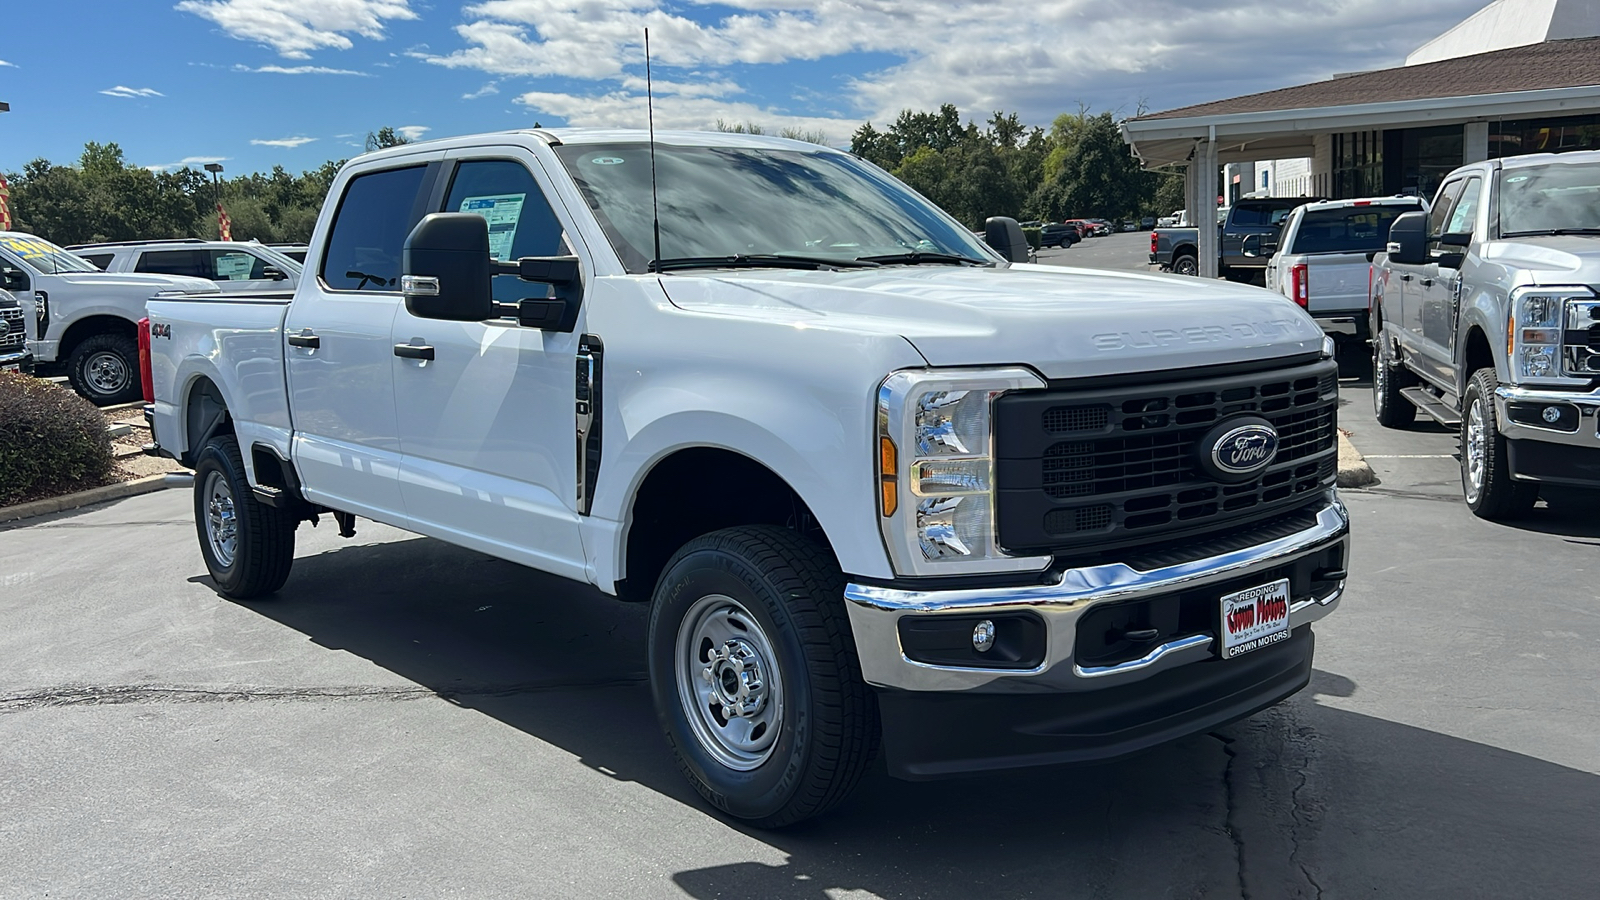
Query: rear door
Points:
[487, 427]
[339, 353]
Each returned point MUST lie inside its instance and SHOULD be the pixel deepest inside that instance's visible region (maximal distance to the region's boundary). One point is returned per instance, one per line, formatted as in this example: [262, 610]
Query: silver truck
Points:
[1323, 262]
[1486, 317]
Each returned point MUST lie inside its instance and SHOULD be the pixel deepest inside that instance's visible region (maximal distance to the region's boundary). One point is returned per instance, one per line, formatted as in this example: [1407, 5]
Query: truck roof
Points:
[1396, 200]
[558, 136]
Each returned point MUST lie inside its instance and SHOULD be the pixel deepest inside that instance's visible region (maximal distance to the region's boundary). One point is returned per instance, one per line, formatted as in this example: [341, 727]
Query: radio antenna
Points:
[650, 110]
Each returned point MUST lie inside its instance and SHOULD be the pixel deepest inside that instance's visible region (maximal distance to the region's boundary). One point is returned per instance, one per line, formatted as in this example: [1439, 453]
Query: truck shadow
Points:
[1301, 792]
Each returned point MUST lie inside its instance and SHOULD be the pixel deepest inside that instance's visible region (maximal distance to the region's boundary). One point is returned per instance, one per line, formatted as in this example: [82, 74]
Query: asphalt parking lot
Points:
[408, 719]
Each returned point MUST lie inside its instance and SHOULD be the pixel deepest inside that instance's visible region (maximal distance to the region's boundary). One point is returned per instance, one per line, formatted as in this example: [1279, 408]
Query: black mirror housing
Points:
[1408, 239]
[1456, 239]
[274, 273]
[447, 268]
[1004, 234]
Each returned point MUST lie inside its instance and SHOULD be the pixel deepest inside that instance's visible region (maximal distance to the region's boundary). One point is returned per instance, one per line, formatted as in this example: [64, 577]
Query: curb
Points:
[119, 491]
[1353, 469]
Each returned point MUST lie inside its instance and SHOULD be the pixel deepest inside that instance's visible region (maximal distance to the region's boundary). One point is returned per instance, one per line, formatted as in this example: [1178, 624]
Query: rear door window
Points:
[376, 213]
[193, 263]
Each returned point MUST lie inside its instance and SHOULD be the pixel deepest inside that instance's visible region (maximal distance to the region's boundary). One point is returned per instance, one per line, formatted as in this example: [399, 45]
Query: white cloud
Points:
[286, 143]
[492, 87]
[297, 70]
[296, 27]
[7, 65]
[1040, 59]
[413, 132]
[621, 109]
[123, 91]
[187, 162]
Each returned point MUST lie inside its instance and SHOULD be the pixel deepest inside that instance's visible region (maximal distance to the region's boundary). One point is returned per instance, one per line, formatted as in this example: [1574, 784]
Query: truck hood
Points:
[138, 282]
[1064, 322]
[1557, 259]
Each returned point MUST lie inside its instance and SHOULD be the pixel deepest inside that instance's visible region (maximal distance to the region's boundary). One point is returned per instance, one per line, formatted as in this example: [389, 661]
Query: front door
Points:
[487, 426]
[339, 353]
[1439, 287]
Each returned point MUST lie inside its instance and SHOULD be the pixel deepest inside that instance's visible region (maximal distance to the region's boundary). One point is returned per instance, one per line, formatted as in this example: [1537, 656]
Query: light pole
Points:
[216, 191]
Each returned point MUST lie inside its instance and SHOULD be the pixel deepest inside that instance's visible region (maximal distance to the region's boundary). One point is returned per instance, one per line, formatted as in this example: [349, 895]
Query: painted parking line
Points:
[1409, 455]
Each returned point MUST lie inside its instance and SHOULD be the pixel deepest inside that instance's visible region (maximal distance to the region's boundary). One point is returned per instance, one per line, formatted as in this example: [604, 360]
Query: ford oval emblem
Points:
[1238, 449]
[5, 328]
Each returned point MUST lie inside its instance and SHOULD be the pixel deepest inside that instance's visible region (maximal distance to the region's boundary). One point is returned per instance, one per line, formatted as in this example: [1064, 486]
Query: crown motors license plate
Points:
[1255, 618]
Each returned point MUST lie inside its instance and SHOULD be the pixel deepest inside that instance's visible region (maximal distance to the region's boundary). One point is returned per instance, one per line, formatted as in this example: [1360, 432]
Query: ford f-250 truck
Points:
[876, 481]
[1486, 317]
[1239, 233]
[82, 316]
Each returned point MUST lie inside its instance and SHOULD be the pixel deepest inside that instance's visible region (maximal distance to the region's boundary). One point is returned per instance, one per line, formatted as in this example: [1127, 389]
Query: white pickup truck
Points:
[1323, 258]
[83, 316]
[877, 481]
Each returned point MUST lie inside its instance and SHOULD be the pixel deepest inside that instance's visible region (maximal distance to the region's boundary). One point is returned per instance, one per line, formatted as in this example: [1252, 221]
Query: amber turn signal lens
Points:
[888, 481]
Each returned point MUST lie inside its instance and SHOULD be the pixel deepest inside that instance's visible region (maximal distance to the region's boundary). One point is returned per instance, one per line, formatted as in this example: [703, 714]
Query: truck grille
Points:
[1099, 468]
[15, 335]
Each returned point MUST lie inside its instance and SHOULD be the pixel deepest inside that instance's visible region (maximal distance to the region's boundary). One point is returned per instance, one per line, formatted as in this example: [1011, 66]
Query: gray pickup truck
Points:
[1486, 317]
[1240, 231]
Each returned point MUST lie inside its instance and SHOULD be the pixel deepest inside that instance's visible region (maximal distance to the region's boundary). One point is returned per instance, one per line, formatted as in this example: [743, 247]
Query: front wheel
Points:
[755, 677]
[1486, 481]
[248, 546]
[104, 369]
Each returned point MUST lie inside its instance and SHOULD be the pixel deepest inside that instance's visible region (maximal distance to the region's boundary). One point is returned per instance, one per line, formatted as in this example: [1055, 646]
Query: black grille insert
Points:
[1083, 471]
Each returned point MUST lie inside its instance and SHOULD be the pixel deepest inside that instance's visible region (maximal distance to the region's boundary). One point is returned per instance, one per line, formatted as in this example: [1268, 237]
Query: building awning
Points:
[1550, 78]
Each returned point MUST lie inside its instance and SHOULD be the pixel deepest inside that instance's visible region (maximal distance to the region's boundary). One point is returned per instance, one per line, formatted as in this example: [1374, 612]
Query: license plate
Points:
[1255, 618]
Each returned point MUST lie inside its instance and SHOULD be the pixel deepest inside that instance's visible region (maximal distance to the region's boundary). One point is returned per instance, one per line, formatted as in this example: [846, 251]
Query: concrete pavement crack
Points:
[118, 694]
[1228, 818]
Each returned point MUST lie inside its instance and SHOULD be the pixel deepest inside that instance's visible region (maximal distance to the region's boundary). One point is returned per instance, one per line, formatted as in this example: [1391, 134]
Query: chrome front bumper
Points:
[875, 613]
[1587, 404]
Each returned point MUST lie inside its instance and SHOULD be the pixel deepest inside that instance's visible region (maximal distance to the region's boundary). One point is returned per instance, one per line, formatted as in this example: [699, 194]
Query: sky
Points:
[257, 83]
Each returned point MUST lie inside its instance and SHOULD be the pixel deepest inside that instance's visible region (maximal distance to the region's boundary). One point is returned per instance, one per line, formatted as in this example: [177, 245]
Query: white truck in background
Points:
[81, 316]
[879, 483]
[1322, 260]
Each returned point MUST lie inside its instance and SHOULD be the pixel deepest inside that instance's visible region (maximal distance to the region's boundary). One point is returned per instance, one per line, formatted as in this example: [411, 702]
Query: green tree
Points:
[385, 137]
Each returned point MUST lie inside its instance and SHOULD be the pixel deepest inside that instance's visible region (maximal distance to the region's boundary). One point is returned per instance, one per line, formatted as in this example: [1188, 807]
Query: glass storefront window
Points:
[1427, 155]
[1552, 135]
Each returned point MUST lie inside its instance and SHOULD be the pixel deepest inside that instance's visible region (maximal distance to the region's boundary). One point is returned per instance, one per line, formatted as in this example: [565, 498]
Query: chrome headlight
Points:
[936, 490]
[1535, 329]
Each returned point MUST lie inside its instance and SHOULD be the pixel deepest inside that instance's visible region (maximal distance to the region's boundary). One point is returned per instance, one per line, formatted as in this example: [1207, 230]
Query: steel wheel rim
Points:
[728, 682]
[1476, 449]
[106, 372]
[222, 519]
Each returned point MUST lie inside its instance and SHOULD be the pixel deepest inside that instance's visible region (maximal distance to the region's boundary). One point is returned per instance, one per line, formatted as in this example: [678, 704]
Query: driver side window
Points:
[1466, 211]
[521, 222]
[1438, 216]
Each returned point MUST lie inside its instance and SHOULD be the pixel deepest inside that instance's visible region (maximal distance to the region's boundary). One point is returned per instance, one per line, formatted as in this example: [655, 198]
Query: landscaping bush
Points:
[51, 440]
[1032, 234]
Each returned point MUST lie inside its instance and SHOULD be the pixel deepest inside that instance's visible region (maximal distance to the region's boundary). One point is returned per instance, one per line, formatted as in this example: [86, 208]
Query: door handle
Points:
[1427, 282]
[305, 339]
[413, 351]
[1405, 276]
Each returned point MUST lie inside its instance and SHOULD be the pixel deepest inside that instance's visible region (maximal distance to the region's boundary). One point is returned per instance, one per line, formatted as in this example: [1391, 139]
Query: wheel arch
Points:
[1476, 353]
[88, 326]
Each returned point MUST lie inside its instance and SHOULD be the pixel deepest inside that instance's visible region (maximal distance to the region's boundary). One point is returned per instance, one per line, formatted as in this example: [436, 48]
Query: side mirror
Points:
[274, 273]
[446, 268]
[1005, 235]
[13, 280]
[1456, 239]
[1408, 240]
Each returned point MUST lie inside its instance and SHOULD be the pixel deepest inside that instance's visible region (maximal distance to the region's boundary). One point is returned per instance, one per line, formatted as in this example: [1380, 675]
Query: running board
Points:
[1432, 406]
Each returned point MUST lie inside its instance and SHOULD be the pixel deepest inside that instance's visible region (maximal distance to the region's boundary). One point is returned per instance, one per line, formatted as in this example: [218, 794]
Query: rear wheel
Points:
[104, 368]
[1185, 264]
[1486, 482]
[755, 677]
[248, 546]
[1392, 409]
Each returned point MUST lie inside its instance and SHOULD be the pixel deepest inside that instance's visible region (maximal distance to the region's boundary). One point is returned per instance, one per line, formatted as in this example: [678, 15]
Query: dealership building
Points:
[1519, 76]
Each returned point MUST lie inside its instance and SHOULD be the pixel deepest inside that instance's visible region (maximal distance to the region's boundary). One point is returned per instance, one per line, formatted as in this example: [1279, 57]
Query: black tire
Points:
[1388, 377]
[1185, 264]
[780, 596]
[1486, 481]
[104, 368]
[256, 561]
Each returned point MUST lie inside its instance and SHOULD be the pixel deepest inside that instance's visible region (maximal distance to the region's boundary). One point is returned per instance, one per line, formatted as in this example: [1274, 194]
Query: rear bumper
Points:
[938, 735]
[1351, 324]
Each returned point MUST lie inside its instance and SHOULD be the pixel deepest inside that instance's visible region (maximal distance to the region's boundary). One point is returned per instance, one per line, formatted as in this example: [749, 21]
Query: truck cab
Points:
[1483, 313]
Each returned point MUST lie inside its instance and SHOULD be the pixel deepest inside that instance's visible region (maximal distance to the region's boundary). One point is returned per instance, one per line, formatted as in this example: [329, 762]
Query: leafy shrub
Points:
[51, 440]
[1032, 234]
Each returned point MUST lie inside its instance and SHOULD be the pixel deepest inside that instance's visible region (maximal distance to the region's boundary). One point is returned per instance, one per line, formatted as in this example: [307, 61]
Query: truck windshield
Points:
[721, 202]
[44, 257]
[1550, 199]
[1352, 229]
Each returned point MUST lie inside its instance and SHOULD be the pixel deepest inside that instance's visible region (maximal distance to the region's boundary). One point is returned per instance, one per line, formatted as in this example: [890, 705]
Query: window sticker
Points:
[28, 248]
[235, 266]
[502, 211]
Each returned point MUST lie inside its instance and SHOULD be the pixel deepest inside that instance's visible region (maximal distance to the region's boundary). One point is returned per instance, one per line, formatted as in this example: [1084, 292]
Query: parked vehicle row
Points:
[1177, 249]
[870, 474]
[1485, 318]
[234, 266]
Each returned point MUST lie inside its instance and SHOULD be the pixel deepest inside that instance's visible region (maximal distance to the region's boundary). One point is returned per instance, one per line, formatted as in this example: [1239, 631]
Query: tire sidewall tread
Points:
[123, 346]
[1502, 496]
[265, 534]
